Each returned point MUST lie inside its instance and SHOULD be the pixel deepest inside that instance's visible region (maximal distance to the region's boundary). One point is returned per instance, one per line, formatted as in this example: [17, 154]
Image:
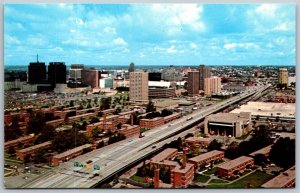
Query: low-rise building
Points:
[100, 125]
[286, 179]
[181, 177]
[129, 130]
[22, 141]
[234, 124]
[55, 122]
[172, 117]
[79, 117]
[65, 156]
[167, 154]
[198, 141]
[32, 149]
[207, 158]
[152, 123]
[235, 166]
[161, 92]
[264, 151]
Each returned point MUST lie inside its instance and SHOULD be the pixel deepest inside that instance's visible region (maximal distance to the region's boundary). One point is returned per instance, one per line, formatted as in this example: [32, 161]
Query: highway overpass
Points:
[115, 157]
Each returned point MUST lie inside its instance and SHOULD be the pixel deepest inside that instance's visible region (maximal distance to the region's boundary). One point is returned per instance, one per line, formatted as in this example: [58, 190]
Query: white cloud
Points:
[120, 41]
[142, 55]
[171, 50]
[110, 30]
[193, 45]
[267, 10]
[11, 40]
[230, 46]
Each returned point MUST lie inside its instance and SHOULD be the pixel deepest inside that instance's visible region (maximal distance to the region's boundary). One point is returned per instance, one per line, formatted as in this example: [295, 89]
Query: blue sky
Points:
[150, 34]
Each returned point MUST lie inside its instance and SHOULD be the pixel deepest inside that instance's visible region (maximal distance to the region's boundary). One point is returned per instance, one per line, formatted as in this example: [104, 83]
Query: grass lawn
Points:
[211, 171]
[254, 180]
[219, 181]
[201, 178]
[138, 178]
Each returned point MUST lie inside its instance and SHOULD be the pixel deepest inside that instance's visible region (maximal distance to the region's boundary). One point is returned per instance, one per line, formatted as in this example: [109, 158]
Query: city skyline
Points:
[150, 34]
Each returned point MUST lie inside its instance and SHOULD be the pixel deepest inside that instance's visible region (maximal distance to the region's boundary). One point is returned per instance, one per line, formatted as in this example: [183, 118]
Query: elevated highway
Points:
[118, 156]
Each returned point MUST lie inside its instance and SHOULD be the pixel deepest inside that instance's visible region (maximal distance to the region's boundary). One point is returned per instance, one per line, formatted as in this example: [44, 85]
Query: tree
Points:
[100, 114]
[71, 104]
[165, 175]
[119, 125]
[39, 157]
[71, 114]
[94, 120]
[260, 159]
[232, 151]
[150, 107]
[11, 150]
[214, 145]
[105, 103]
[118, 110]
[27, 158]
[95, 132]
[283, 152]
[166, 112]
[47, 134]
[100, 144]
[12, 131]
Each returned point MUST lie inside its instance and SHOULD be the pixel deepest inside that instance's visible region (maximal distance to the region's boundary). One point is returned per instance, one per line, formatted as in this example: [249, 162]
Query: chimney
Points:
[131, 119]
[184, 157]
[156, 178]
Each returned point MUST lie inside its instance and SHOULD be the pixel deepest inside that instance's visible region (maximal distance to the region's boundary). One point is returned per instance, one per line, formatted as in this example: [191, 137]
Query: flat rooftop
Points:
[198, 139]
[228, 117]
[266, 109]
[71, 151]
[263, 151]
[234, 163]
[183, 170]
[282, 179]
[163, 155]
[18, 140]
[205, 156]
[35, 147]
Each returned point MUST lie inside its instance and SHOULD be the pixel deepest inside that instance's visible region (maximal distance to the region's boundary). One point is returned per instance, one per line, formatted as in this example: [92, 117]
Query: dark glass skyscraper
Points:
[57, 73]
[131, 67]
[37, 72]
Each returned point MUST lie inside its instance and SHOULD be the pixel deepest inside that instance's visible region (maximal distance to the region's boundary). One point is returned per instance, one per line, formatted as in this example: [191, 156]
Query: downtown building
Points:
[75, 71]
[193, 83]
[57, 73]
[138, 86]
[283, 76]
[90, 77]
[204, 72]
[212, 85]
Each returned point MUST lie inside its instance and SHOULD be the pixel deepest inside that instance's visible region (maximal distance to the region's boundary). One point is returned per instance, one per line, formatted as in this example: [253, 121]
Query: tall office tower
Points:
[204, 72]
[212, 85]
[138, 86]
[131, 67]
[193, 83]
[90, 77]
[75, 71]
[283, 76]
[37, 72]
[57, 72]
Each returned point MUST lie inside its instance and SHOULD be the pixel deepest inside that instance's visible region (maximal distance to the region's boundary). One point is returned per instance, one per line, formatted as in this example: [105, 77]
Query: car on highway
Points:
[89, 161]
[154, 146]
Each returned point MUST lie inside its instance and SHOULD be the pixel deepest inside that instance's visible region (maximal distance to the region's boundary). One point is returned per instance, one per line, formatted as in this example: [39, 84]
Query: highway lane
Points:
[116, 156]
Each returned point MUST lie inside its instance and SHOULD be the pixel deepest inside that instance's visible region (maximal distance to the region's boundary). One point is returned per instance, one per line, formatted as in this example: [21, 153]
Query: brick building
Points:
[198, 141]
[235, 166]
[206, 158]
[172, 117]
[152, 123]
[55, 122]
[101, 125]
[65, 156]
[265, 151]
[129, 130]
[286, 179]
[22, 140]
[32, 149]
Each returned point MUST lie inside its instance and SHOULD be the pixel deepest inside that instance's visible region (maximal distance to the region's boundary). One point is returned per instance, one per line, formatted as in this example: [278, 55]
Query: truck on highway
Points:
[190, 118]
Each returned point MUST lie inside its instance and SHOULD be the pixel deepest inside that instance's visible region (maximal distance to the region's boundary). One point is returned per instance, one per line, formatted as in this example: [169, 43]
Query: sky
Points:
[150, 34]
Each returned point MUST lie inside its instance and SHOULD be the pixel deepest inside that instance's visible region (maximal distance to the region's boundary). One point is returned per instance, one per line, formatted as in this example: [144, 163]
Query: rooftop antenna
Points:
[37, 58]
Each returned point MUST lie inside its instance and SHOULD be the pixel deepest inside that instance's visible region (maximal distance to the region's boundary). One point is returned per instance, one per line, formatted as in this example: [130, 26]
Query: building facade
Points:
[161, 92]
[57, 72]
[233, 124]
[283, 76]
[204, 72]
[212, 85]
[90, 77]
[193, 83]
[234, 167]
[138, 89]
